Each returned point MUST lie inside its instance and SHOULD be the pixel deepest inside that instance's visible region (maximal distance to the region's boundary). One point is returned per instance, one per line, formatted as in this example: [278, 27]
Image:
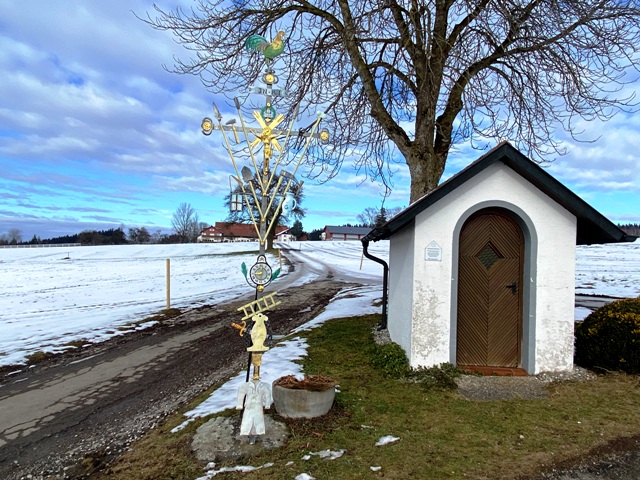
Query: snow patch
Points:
[386, 440]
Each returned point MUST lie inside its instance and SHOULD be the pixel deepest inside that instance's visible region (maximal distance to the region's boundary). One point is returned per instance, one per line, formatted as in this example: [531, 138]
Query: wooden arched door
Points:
[489, 323]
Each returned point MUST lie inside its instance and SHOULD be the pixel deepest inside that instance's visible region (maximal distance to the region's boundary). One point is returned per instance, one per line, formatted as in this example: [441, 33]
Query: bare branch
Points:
[418, 77]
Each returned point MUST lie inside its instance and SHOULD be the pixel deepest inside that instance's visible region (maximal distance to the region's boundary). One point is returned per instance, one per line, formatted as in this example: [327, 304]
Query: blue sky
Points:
[95, 134]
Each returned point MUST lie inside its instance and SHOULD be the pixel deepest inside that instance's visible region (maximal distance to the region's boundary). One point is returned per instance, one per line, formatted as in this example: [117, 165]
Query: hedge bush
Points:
[393, 362]
[440, 377]
[609, 338]
[391, 359]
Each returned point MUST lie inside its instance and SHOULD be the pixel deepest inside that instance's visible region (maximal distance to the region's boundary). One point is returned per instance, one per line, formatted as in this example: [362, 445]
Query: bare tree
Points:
[368, 216]
[133, 234]
[143, 235]
[185, 222]
[422, 76]
[139, 235]
[372, 216]
[14, 236]
[393, 211]
[156, 236]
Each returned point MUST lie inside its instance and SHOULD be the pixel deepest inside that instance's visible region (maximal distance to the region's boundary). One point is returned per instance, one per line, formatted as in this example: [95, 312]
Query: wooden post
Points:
[168, 284]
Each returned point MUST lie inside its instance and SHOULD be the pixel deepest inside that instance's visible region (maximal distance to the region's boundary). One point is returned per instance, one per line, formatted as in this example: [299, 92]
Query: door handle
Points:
[513, 287]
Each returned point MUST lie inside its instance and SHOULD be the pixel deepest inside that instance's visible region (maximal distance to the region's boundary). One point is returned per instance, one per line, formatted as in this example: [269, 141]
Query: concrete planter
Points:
[299, 402]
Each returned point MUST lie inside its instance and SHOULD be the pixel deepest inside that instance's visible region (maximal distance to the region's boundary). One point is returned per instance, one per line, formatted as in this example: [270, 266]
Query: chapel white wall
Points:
[432, 285]
[555, 288]
[401, 288]
[551, 288]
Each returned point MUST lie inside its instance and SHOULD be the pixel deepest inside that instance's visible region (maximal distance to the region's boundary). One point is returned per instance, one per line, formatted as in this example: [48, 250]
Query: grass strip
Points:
[442, 435]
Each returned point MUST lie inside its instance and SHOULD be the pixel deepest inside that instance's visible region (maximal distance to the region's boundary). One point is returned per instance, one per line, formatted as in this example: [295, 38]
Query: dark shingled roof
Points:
[593, 228]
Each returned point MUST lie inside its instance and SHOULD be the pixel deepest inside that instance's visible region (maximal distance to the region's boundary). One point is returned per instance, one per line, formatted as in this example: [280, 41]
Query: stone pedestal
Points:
[219, 439]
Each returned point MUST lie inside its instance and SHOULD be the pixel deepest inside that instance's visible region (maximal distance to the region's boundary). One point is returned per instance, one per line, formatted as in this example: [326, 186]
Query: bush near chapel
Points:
[391, 359]
[609, 338]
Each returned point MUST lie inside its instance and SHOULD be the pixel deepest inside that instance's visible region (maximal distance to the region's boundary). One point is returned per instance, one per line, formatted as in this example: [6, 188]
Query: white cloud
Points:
[90, 116]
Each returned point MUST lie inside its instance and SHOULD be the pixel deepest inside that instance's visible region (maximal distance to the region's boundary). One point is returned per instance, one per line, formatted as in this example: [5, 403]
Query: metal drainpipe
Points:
[385, 276]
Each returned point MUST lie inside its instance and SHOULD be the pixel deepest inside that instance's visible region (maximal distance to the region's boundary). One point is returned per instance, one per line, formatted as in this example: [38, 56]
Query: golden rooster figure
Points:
[260, 44]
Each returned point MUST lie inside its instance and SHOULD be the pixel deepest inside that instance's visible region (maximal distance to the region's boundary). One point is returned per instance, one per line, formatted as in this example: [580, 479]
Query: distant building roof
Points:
[283, 232]
[347, 230]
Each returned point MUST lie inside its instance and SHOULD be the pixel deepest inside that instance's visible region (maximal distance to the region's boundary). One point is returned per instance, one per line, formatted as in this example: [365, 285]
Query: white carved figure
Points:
[256, 396]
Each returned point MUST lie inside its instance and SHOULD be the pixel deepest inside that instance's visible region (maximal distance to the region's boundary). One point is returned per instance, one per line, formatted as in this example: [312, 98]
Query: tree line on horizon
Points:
[141, 235]
[187, 227]
[630, 228]
[117, 236]
[185, 222]
[111, 236]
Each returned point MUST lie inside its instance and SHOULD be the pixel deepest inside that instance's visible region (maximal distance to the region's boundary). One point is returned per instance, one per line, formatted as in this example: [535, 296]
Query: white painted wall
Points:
[555, 288]
[432, 313]
[551, 289]
[401, 251]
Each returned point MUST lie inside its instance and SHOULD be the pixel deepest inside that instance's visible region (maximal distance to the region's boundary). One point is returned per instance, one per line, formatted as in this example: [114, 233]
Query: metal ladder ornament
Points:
[259, 305]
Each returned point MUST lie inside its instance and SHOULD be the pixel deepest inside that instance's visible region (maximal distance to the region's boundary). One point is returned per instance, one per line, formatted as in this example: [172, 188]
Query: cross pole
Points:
[273, 137]
[267, 135]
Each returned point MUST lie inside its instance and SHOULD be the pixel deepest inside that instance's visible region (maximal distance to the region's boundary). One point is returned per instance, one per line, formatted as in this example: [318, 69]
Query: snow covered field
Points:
[52, 296]
[612, 270]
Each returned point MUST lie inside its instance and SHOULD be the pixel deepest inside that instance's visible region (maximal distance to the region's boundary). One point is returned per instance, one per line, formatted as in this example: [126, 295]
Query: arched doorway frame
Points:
[529, 274]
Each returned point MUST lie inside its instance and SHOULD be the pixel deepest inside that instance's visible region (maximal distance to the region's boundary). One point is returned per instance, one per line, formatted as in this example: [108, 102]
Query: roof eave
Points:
[592, 227]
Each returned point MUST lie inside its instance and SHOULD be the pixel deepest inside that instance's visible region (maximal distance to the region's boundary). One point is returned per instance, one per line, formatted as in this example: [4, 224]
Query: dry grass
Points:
[77, 343]
[38, 357]
[442, 435]
[314, 383]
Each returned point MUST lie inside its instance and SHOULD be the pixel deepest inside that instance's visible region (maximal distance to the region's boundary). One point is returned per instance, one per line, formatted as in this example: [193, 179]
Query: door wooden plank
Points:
[489, 314]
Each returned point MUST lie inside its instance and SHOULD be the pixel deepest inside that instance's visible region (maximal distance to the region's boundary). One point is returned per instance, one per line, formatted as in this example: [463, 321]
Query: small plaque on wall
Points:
[433, 252]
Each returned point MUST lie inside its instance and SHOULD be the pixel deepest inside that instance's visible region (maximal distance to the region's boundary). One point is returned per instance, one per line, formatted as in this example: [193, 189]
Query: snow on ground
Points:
[283, 357]
[580, 313]
[612, 269]
[52, 296]
[49, 297]
[345, 258]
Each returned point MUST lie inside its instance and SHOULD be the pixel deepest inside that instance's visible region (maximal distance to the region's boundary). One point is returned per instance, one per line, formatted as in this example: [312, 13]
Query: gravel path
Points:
[490, 388]
[92, 404]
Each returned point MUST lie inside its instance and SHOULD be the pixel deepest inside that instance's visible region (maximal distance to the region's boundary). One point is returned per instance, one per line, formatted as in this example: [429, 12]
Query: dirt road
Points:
[98, 400]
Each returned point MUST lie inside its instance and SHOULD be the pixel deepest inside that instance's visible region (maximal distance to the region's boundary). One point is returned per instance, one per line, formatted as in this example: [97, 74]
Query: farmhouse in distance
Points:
[233, 232]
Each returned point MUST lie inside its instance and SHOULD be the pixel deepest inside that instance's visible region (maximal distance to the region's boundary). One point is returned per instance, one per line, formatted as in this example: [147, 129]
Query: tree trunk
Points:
[426, 169]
